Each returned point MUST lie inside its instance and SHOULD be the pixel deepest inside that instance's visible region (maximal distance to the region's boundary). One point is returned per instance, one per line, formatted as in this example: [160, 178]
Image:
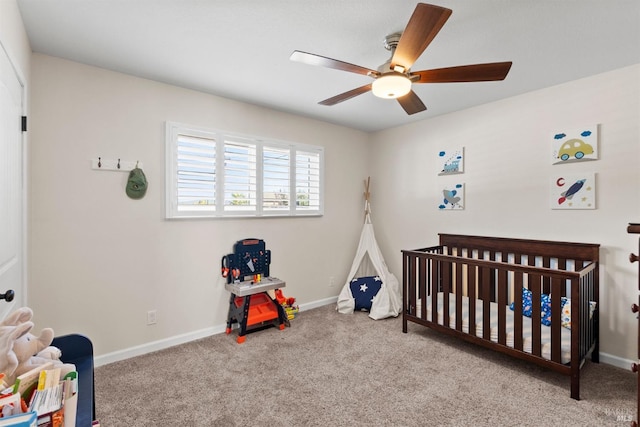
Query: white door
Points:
[12, 194]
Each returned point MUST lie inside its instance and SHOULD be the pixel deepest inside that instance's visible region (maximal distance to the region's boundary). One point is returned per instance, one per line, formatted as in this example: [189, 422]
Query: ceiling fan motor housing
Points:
[391, 41]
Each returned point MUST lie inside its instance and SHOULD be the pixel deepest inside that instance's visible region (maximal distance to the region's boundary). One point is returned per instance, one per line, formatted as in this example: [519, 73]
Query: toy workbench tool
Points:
[248, 280]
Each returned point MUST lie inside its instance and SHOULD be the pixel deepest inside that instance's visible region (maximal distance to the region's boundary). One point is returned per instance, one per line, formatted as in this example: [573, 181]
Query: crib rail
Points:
[486, 275]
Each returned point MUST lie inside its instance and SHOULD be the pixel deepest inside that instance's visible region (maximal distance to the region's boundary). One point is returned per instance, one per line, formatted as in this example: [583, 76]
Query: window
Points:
[218, 174]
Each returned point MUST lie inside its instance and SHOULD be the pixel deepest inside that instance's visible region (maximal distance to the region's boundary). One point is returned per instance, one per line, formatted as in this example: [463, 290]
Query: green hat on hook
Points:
[136, 184]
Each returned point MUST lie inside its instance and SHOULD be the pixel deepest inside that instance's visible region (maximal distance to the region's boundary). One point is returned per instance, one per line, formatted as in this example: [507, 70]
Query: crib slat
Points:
[562, 265]
[423, 290]
[546, 281]
[486, 302]
[535, 283]
[413, 291]
[492, 257]
[446, 290]
[502, 305]
[531, 260]
[556, 320]
[471, 287]
[517, 311]
[585, 335]
[458, 291]
[435, 288]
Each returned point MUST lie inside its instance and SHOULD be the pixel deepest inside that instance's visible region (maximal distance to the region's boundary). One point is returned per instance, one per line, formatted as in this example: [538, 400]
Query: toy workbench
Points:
[248, 280]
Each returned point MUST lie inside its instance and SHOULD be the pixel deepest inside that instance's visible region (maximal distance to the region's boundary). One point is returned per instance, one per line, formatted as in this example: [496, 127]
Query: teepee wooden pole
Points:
[367, 195]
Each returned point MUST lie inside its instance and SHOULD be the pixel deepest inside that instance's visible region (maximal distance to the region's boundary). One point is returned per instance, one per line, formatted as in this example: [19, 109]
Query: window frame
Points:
[223, 139]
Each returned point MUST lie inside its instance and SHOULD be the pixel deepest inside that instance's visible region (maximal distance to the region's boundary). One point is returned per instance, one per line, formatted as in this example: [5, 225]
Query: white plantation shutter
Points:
[276, 187]
[240, 178]
[218, 174]
[308, 181]
[196, 173]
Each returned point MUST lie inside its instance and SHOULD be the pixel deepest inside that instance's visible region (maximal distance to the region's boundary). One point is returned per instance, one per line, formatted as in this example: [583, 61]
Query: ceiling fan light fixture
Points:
[391, 85]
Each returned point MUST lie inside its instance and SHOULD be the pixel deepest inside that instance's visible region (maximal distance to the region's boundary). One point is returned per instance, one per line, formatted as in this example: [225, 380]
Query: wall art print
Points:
[452, 197]
[573, 191]
[575, 146]
[451, 161]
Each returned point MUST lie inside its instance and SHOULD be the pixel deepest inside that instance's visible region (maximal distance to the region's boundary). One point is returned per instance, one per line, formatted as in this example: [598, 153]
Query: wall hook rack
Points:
[118, 165]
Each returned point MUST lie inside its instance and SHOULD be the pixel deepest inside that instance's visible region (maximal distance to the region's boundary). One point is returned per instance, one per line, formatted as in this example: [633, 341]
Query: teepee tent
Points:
[369, 271]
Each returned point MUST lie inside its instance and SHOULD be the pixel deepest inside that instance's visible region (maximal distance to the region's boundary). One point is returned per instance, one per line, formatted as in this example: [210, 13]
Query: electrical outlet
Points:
[151, 317]
[332, 281]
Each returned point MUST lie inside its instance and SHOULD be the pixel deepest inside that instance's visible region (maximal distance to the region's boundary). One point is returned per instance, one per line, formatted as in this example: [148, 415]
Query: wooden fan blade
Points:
[465, 73]
[423, 26]
[411, 103]
[347, 95]
[313, 59]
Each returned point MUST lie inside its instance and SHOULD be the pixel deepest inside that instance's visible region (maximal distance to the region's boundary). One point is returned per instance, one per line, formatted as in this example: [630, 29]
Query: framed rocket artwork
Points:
[573, 191]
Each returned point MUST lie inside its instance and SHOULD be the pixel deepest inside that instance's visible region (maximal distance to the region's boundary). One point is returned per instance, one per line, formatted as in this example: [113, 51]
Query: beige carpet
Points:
[330, 369]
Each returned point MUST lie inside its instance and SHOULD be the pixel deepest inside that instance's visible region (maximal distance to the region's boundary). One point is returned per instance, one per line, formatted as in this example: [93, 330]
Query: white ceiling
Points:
[240, 49]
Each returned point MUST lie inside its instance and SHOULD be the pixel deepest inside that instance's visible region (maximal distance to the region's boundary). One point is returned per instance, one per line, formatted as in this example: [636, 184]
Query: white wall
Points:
[507, 173]
[14, 37]
[99, 260]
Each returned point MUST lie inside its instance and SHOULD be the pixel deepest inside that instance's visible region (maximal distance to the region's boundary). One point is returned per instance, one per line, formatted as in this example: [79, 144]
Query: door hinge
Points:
[24, 123]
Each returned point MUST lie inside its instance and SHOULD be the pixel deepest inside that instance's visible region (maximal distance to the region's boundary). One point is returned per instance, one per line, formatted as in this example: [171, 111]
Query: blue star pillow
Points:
[363, 290]
[545, 306]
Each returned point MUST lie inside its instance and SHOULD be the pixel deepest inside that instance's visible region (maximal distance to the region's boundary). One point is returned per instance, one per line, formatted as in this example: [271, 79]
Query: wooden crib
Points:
[490, 276]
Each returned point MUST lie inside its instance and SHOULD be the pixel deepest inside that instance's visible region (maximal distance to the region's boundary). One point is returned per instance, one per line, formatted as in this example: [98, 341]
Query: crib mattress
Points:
[526, 326]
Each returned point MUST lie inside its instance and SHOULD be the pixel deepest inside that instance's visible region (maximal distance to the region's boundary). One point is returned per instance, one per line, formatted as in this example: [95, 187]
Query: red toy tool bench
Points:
[248, 280]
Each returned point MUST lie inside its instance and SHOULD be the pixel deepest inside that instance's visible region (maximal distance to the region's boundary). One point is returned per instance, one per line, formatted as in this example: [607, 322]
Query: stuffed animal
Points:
[22, 351]
[8, 359]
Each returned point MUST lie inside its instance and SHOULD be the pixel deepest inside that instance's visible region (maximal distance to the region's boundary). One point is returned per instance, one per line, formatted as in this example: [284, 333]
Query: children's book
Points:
[26, 383]
[27, 419]
[10, 405]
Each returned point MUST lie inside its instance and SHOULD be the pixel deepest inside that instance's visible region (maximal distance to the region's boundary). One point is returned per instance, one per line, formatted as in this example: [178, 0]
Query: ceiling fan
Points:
[394, 78]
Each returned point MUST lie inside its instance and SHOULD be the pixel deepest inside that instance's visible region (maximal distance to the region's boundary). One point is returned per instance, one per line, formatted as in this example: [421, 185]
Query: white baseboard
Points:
[139, 350]
[619, 362]
[319, 303]
[150, 347]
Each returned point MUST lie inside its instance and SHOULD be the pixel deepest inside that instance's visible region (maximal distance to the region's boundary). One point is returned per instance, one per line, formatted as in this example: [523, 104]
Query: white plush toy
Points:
[22, 351]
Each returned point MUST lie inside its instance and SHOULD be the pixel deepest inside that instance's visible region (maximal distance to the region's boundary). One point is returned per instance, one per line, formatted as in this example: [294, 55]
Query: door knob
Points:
[8, 296]
[633, 258]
